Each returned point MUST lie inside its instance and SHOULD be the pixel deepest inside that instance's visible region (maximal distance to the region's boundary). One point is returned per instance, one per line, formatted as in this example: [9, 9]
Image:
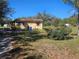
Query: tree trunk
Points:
[78, 21]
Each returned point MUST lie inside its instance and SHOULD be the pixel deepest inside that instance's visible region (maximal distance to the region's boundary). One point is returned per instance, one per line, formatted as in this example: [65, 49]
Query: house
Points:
[5, 23]
[29, 23]
[67, 25]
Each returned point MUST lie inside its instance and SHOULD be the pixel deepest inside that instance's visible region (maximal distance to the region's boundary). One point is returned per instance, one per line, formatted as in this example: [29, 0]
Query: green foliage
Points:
[17, 27]
[60, 33]
[45, 17]
[71, 20]
[74, 3]
[34, 35]
[39, 30]
[38, 34]
[49, 28]
[5, 10]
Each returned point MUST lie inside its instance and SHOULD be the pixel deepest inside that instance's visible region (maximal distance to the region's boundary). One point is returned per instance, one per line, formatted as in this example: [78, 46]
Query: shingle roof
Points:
[28, 20]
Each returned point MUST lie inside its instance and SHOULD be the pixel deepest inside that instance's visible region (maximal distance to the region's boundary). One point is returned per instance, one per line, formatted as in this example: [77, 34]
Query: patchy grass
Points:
[52, 49]
[64, 49]
[72, 42]
[74, 30]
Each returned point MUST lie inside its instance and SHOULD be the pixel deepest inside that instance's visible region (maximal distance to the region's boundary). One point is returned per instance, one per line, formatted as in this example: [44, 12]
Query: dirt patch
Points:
[54, 52]
[43, 50]
[48, 51]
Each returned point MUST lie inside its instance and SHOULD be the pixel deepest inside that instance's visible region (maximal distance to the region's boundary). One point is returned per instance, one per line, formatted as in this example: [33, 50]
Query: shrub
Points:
[38, 34]
[32, 35]
[60, 33]
[48, 28]
[38, 31]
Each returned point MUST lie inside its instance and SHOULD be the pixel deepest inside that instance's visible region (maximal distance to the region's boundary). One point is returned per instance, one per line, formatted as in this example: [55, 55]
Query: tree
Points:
[71, 20]
[46, 17]
[5, 10]
[75, 5]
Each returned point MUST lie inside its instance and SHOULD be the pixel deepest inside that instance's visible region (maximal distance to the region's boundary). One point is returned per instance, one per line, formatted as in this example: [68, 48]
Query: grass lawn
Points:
[53, 49]
[58, 49]
[72, 42]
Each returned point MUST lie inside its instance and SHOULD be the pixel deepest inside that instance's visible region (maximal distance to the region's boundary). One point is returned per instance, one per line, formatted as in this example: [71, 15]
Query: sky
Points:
[26, 8]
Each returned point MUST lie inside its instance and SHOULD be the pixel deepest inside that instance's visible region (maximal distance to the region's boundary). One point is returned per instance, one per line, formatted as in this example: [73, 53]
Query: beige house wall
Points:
[35, 26]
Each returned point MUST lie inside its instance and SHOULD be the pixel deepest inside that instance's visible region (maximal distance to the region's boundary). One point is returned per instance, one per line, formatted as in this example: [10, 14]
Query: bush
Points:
[38, 31]
[38, 34]
[60, 33]
[32, 35]
[49, 28]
